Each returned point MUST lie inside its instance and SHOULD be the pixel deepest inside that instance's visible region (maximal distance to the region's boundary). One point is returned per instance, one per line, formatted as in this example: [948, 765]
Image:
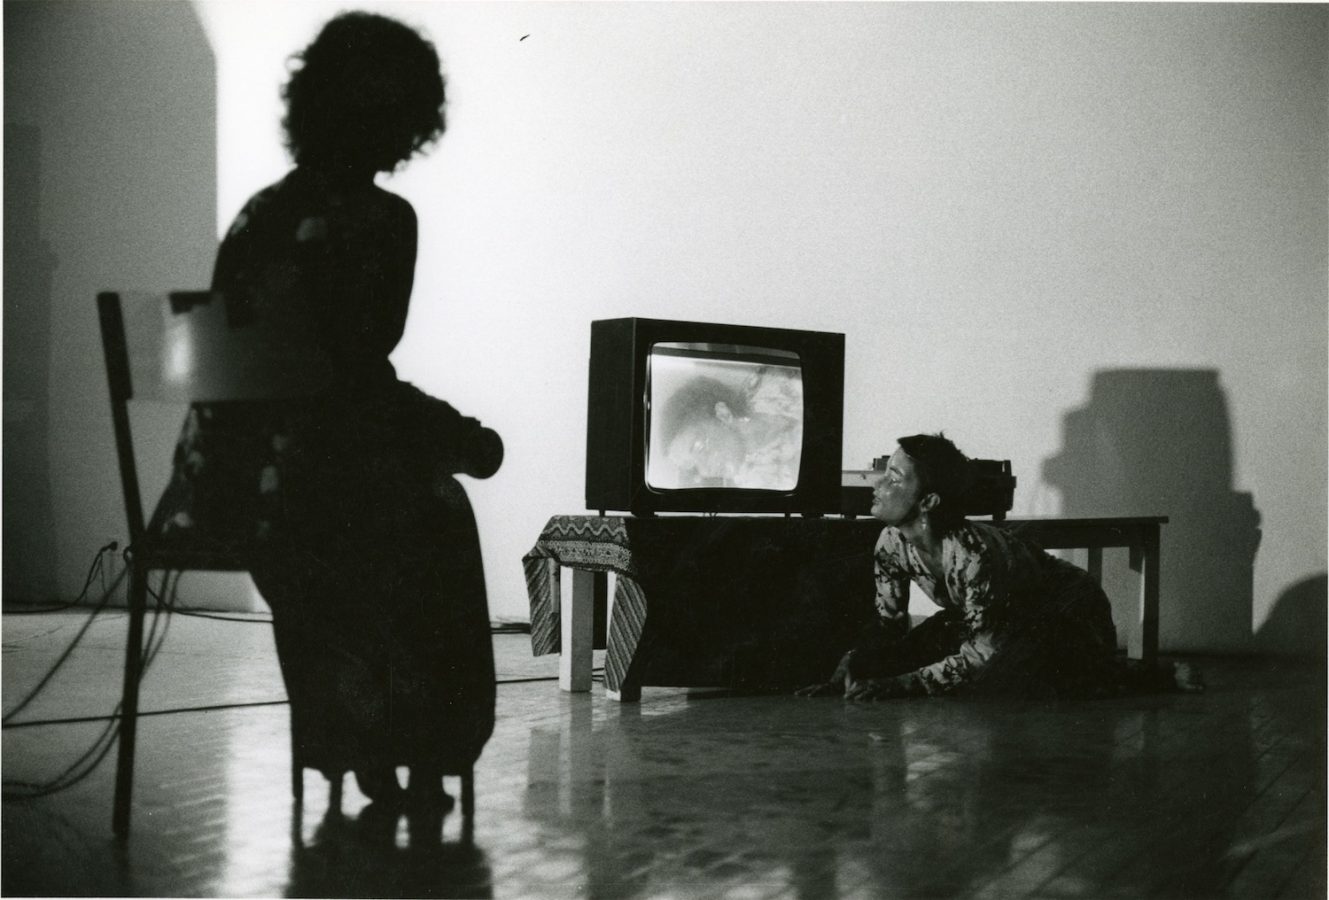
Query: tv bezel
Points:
[616, 453]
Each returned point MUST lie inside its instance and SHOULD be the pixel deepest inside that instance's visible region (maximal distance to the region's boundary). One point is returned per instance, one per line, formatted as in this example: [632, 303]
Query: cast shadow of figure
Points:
[1296, 626]
[361, 857]
[1158, 442]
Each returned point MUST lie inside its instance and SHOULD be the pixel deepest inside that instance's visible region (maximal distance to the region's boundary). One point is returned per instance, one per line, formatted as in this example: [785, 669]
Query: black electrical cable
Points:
[18, 642]
[259, 619]
[81, 768]
[102, 744]
[143, 714]
[501, 627]
[596, 675]
[198, 614]
[72, 774]
[163, 605]
[50, 673]
[93, 569]
[67, 779]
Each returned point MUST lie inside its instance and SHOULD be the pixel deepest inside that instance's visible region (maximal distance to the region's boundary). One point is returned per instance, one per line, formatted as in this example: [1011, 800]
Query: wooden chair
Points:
[187, 347]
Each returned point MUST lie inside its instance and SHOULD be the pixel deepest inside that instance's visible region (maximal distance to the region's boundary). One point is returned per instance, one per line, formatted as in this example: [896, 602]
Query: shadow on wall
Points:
[1297, 624]
[1159, 442]
[29, 261]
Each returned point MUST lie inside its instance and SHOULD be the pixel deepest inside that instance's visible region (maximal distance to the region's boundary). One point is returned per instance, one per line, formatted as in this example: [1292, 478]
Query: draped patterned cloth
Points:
[593, 544]
[744, 602]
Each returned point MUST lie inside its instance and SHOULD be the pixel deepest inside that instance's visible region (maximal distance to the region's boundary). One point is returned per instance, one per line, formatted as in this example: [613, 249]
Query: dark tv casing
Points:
[616, 419]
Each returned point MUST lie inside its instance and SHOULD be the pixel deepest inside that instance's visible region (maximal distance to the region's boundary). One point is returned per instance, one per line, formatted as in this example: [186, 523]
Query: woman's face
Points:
[896, 495]
[708, 451]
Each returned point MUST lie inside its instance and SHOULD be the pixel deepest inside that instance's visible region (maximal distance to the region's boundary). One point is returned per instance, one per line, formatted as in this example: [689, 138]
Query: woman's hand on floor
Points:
[837, 683]
[868, 689]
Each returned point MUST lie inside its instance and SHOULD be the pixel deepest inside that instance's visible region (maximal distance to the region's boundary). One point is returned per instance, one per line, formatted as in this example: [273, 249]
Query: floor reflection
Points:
[698, 794]
[382, 852]
[913, 799]
[649, 808]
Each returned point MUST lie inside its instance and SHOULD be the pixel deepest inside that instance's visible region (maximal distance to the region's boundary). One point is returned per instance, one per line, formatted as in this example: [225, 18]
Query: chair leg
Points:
[468, 794]
[297, 778]
[124, 772]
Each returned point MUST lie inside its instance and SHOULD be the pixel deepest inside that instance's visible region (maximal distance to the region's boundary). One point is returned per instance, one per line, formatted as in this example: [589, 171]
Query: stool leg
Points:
[124, 770]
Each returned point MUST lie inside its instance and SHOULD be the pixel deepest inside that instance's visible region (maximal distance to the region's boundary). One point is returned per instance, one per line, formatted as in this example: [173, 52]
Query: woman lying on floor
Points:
[1013, 619]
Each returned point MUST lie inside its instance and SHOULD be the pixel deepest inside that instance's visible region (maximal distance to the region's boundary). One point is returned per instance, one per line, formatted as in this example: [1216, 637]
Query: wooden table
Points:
[791, 558]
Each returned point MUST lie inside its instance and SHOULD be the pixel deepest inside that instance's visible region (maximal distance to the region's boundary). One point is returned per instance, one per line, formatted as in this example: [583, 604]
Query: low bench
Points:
[733, 600]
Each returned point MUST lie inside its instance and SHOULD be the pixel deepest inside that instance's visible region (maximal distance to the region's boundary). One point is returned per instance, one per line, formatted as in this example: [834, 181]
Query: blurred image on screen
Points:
[727, 417]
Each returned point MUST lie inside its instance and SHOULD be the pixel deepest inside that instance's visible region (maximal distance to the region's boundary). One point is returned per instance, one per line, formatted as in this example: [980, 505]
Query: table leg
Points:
[577, 621]
[627, 693]
[1146, 559]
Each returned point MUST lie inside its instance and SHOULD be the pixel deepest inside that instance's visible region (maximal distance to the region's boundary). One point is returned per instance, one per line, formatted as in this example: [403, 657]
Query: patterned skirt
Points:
[1062, 644]
[367, 553]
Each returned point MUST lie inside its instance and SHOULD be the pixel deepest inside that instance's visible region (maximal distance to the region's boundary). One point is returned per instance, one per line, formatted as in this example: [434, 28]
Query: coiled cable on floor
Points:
[90, 759]
[64, 656]
[164, 608]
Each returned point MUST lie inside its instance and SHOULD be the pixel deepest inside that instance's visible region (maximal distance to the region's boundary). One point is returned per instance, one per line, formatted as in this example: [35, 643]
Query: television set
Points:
[713, 418]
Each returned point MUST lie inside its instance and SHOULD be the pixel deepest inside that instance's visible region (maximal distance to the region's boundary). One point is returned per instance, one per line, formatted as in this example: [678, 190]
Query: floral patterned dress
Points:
[1013, 619]
[363, 544]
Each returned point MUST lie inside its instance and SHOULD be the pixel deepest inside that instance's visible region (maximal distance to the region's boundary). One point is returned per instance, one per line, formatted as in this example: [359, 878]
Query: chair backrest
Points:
[194, 346]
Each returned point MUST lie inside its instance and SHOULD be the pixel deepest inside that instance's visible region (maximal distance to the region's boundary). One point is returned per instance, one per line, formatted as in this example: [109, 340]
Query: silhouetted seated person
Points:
[363, 542]
[1013, 619]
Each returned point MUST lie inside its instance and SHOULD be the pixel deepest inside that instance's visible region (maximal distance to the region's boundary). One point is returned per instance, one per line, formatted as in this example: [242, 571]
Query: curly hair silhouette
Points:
[367, 94]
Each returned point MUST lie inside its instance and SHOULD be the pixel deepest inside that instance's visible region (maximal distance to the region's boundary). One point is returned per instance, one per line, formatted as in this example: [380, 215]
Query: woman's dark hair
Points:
[942, 469]
[367, 92]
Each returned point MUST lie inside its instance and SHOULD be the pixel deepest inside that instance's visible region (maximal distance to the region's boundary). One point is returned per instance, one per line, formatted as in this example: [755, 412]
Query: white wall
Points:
[110, 154]
[1000, 205]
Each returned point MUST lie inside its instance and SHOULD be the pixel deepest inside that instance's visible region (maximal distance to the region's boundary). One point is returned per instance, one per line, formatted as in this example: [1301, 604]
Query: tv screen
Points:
[723, 417]
[705, 417]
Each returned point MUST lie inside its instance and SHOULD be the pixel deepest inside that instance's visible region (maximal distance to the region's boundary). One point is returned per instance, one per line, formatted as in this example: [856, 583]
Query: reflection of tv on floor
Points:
[698, 417]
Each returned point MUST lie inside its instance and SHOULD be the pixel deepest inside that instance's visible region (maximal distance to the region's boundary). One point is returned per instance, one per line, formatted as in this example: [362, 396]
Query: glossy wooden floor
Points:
[682, 795]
